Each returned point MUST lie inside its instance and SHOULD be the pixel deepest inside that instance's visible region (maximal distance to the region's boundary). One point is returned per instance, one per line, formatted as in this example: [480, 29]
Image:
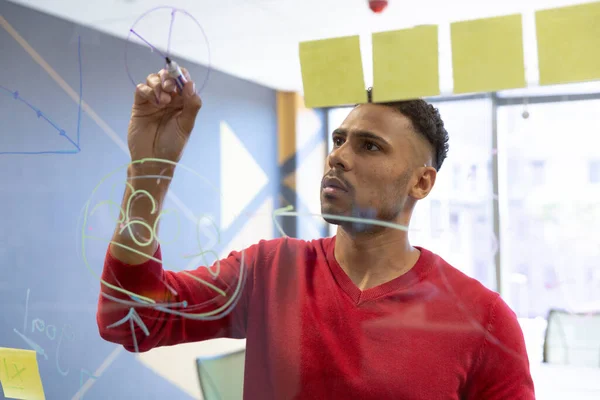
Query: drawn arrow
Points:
[133, 317]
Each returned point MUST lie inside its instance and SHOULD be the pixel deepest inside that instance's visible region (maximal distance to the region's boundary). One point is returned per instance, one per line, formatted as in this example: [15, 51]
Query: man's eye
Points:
[371, 146]
[337, 141]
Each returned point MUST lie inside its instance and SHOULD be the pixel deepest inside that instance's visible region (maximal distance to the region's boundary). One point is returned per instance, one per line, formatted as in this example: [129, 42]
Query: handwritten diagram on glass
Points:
[158, 30]
[20, 145]
[102, 212]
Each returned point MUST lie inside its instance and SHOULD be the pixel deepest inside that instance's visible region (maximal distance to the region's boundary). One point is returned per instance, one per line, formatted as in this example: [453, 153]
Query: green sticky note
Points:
[487, 54]
[20, 375]
[568, 40]
[332, 72]
[406, 64]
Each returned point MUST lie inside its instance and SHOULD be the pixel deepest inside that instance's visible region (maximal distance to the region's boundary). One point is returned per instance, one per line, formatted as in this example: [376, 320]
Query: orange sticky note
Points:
[20, 375]
[332, 72]
[568, 40]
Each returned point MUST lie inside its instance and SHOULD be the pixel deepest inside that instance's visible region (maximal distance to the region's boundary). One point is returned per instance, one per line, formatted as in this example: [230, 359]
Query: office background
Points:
[516, 205]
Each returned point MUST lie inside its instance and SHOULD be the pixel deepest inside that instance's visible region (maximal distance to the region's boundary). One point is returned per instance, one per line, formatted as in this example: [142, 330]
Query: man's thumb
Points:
[191, 105]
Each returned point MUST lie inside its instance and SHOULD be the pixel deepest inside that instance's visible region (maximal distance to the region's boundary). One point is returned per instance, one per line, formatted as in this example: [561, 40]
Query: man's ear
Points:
[426, 179]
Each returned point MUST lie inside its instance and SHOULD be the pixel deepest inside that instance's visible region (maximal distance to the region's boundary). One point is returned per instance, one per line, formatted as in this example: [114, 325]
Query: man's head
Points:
[385, 158]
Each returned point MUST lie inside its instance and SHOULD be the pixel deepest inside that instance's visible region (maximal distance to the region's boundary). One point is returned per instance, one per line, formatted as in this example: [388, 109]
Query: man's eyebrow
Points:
[361, 134]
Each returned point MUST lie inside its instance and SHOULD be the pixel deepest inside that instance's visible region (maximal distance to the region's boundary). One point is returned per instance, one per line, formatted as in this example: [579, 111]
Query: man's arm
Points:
[132, 242]
[189, 305]
[141, 305]
[502, 369]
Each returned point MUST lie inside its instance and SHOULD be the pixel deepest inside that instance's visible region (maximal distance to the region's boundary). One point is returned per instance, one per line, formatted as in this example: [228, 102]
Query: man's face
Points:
[371, 168]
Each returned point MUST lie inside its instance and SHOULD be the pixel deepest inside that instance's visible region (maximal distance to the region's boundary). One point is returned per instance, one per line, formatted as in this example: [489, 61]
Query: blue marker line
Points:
[38, 349]
[88, 373]
[42, 115]
[42, 152]
[170, 32]
[135, 343]
[80, 88]
[132, 316]
[160, 53]
[69, 139]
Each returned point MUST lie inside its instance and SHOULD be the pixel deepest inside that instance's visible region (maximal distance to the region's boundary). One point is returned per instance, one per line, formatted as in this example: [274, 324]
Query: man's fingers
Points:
[191, 105]
[154, 81]
[168, 83]
[159, 89]
[186, 73]
[144, 94]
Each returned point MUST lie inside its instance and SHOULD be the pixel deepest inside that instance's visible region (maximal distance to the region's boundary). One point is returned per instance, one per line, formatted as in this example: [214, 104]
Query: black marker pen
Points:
[175, 73]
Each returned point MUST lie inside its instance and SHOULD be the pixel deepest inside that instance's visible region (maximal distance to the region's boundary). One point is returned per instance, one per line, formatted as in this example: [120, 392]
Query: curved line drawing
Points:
[132, 317]
[42, 115]
[174, 10]
[139, 300]
[170, 33]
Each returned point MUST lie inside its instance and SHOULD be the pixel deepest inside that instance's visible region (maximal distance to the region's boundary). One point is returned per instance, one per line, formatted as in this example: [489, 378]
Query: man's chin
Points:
[360, 217]
[330, 213]
[332, 220]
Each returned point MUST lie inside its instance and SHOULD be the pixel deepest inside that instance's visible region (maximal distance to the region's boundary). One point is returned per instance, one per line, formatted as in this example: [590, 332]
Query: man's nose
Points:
[341, 158]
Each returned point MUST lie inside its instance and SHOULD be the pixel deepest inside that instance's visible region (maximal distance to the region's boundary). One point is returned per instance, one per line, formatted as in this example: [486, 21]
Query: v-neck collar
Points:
[414, 275]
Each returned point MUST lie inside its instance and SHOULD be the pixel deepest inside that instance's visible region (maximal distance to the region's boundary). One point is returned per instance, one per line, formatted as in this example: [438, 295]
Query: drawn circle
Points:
[199, 88]
[92, 204]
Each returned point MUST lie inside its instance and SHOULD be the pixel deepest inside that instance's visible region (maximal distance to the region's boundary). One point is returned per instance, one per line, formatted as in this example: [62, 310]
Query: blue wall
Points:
[43, 195]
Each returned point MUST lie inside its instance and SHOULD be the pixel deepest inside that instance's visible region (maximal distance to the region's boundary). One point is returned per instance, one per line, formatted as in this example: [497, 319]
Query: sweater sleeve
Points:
[502, 369]
[195, 305]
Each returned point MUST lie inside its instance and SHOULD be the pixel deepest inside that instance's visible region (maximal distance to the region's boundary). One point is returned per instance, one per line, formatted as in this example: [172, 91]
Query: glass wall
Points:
[551, 218]
[516, 205]
[548, 201]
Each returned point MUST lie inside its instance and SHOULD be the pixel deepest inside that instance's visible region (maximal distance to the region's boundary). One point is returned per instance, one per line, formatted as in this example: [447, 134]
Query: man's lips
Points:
[334, 184]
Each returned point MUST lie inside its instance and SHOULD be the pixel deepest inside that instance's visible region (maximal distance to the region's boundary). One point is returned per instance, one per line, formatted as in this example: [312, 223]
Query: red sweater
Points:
[433, 333]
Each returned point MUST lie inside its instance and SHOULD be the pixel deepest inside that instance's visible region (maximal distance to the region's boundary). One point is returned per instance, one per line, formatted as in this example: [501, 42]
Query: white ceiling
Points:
[258, 39]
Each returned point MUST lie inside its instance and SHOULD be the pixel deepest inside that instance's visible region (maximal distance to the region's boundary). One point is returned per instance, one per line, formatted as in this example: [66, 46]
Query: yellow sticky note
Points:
[406, 64]
[568, 40]
[332, 72]
[20, 375]
[487, 54]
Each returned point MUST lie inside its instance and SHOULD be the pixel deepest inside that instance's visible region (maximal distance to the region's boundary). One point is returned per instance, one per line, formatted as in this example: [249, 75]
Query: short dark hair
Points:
[426, 120]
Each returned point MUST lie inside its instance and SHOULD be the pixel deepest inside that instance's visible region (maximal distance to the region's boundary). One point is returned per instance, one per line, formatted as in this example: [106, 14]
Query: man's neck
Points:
[372, 259]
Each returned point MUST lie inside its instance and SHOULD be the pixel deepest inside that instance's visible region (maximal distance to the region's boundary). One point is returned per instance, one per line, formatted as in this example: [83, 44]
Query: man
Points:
[362, 315]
